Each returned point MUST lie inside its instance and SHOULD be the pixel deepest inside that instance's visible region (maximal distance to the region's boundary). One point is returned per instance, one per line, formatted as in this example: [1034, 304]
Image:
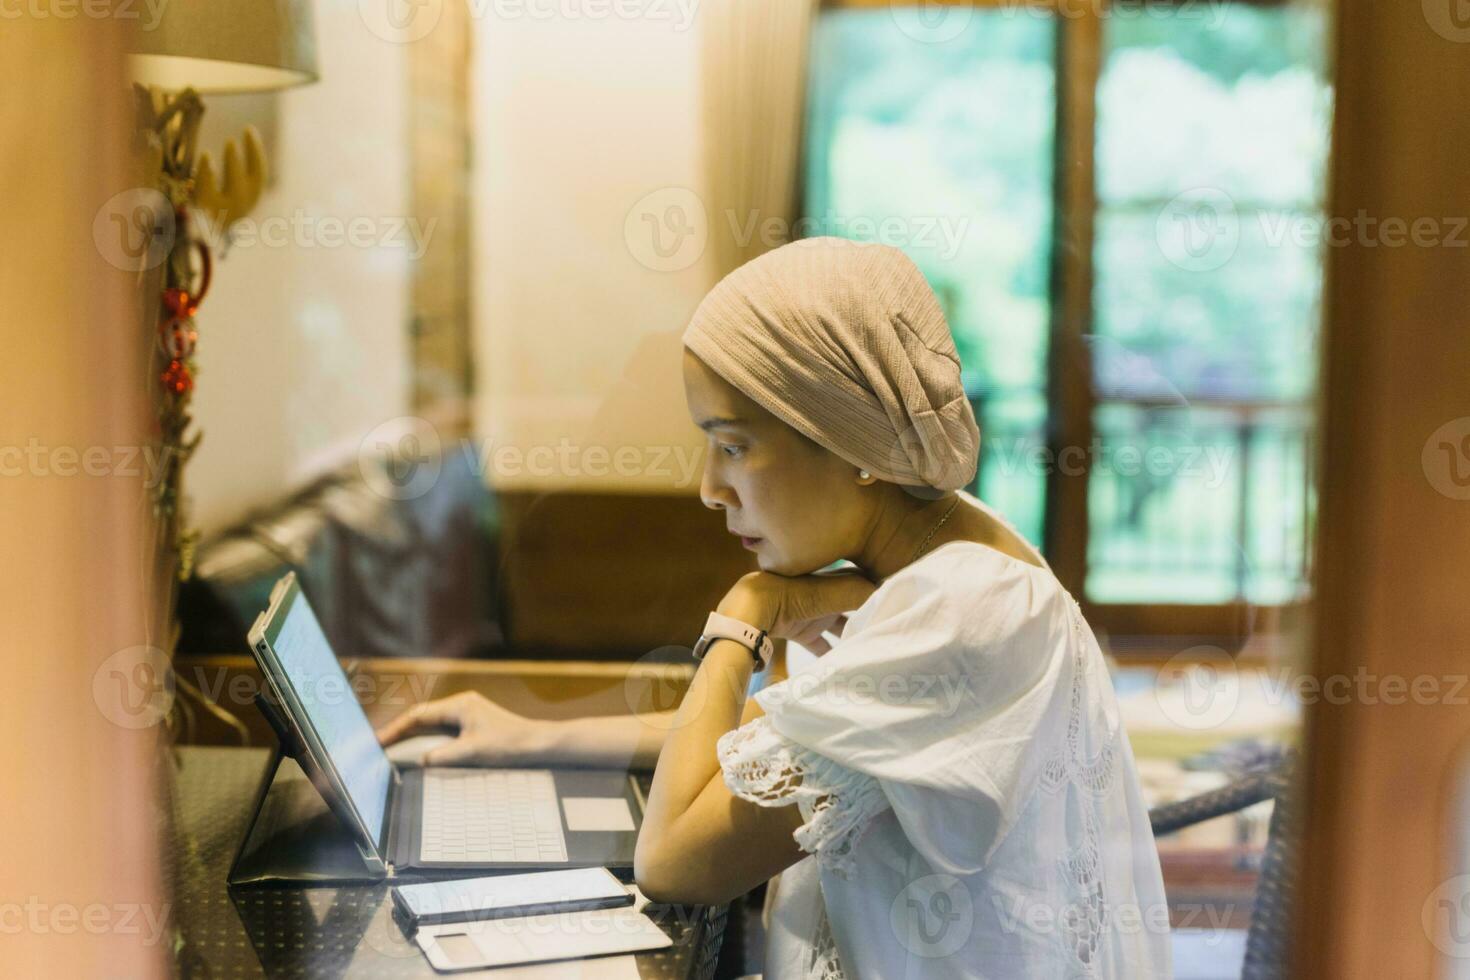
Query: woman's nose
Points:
[712, 493]
[711, 501]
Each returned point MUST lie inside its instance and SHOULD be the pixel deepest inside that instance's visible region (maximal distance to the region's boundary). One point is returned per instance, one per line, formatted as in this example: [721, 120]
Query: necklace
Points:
[934, 530]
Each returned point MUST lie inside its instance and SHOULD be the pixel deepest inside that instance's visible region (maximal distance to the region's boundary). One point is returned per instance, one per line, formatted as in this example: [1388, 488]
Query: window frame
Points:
[1134, 631]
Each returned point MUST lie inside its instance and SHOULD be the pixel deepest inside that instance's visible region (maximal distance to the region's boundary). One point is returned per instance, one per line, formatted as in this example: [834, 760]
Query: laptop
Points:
[434, 819]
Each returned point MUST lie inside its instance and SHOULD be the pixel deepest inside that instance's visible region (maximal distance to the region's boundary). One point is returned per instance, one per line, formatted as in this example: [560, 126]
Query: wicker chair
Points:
[1268, 939]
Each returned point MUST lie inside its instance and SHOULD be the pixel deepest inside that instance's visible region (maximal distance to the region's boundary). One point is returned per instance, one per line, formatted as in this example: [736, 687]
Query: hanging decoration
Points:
[204, 204]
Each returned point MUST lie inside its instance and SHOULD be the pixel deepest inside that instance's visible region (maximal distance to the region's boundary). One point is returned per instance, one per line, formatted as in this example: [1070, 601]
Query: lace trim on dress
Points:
[823, 963]
[1092, 778]
[1069, 765]
[837, 804]
[1083, 923]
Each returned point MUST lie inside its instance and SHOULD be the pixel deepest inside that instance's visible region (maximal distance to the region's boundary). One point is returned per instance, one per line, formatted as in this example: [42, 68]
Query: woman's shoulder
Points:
[970, 568]
[1002, 534]
[977, 587]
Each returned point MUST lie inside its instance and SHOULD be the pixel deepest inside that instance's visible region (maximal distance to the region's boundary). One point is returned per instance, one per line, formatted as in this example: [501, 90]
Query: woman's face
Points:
[796, 505]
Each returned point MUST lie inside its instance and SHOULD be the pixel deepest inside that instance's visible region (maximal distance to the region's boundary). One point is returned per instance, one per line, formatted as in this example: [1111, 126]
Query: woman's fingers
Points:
[810, 634]
[425, 716]
[459, 752]
[824, 596]
[834, 593]
[812, 641]
[834, 630]
[807, 628]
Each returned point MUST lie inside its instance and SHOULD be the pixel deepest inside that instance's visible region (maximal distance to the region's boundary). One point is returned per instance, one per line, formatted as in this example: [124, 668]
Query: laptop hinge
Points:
[390, 836]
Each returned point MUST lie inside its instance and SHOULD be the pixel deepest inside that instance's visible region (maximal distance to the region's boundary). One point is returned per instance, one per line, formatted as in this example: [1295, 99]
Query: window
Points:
[1211, 138]
[951, 145]
[1202, 132]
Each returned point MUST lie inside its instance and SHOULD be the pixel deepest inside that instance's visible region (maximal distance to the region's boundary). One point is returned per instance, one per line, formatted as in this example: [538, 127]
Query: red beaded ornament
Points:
[177, 379]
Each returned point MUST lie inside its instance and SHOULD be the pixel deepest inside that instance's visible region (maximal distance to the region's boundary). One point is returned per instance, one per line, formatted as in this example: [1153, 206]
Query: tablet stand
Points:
[293, 834]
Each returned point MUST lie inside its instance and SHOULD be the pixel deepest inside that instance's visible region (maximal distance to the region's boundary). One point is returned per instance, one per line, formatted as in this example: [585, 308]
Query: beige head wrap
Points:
[846, 343]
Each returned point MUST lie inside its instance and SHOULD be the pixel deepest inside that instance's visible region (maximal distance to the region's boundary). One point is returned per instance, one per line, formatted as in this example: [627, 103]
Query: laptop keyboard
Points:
[491, 815]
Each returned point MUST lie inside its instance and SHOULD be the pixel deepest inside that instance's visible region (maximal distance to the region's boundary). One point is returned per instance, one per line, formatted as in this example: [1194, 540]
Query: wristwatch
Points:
[722, 627]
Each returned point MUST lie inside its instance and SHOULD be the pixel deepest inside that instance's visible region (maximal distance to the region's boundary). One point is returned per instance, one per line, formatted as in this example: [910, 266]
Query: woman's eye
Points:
[731, 451]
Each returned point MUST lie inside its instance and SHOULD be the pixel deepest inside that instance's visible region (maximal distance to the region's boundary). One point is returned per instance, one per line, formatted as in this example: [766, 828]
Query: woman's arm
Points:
[489, 735]
[636, 741]
[699, 842]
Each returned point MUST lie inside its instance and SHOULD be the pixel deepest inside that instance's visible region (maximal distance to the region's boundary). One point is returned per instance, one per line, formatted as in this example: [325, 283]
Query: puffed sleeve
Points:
[837, 803]
[941, 702]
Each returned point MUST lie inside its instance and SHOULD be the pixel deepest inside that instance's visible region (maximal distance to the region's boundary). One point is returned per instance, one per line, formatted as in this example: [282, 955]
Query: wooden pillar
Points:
[79, 861]
[1393, 562]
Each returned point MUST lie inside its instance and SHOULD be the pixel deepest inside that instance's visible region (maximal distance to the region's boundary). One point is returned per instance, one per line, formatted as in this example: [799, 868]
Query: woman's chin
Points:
[789, 568]
[774, 565]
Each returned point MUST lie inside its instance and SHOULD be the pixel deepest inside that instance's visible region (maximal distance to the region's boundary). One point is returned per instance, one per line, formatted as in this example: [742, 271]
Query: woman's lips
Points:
[749, 542]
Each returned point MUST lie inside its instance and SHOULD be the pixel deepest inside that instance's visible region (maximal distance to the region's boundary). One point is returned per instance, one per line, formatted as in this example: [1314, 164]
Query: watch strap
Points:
[721, 627]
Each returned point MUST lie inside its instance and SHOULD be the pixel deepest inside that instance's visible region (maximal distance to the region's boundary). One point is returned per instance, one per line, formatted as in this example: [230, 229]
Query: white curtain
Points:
[755, 70]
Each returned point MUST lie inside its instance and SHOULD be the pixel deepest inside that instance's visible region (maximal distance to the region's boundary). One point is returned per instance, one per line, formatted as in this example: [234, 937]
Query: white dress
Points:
[969, 798]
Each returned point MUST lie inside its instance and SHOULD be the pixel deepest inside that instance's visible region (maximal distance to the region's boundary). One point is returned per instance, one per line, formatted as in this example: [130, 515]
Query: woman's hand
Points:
[488, 735]
[799, 608]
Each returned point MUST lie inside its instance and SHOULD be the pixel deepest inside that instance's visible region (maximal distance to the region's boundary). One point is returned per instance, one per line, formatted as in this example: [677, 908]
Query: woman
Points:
[944, 789]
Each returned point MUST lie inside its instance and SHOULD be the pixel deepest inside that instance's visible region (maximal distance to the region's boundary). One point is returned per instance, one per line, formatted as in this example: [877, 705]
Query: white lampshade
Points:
[227, 46]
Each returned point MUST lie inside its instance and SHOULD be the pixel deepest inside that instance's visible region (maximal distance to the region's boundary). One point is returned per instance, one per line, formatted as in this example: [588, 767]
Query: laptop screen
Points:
[324, 693]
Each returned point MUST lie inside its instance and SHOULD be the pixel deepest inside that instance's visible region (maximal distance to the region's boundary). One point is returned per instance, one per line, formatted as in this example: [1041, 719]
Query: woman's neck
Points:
[902, 527]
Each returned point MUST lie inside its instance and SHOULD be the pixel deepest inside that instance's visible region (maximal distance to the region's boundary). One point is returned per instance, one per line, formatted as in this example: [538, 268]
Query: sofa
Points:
[387, 575]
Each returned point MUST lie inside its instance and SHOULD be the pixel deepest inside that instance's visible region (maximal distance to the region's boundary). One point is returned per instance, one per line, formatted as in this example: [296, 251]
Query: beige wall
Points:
[303, 350]
[577, 339]
[303, 347]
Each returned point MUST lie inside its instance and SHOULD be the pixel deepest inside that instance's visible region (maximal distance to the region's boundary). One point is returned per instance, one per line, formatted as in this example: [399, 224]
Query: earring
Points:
[862, 474]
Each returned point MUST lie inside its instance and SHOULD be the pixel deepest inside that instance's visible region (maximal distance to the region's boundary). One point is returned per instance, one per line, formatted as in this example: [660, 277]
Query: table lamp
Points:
[216, 46]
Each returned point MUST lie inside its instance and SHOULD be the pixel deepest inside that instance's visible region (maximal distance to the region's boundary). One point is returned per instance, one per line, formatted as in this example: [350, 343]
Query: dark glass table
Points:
[326, 932]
